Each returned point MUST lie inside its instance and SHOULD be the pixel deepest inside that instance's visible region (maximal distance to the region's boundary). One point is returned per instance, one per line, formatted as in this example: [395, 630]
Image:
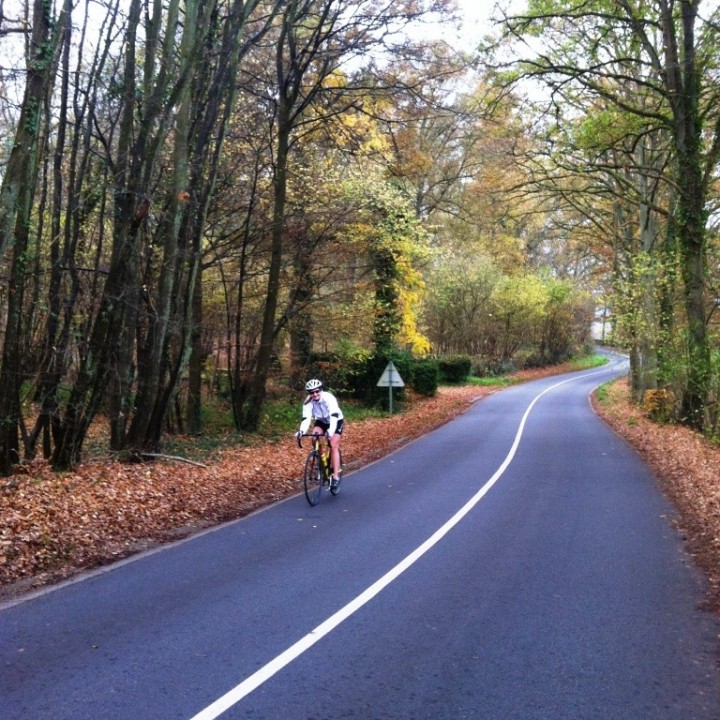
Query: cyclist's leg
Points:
[335, 454]
[336, 459]
[335, 449]
[337, 471]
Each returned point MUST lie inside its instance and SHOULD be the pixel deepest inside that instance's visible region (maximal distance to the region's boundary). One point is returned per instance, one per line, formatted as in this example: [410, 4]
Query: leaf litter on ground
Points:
[55, 525]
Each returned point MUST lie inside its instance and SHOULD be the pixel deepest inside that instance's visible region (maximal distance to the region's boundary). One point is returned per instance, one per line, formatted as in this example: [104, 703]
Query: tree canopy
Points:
[209, 200]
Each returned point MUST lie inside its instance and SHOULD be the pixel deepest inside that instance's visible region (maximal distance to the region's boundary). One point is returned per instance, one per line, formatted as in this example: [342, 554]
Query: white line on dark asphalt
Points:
[254, 681]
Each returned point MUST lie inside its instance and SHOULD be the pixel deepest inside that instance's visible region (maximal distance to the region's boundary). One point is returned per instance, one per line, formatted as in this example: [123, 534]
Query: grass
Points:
[588, 361]
[585, 362]
[501, 380]
[602, 393]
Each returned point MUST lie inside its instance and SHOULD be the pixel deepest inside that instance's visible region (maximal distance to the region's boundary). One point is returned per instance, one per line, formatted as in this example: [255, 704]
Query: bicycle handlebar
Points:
[300, 437]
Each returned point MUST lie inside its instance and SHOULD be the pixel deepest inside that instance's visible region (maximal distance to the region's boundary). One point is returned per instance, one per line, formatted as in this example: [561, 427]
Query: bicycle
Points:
[318, 468]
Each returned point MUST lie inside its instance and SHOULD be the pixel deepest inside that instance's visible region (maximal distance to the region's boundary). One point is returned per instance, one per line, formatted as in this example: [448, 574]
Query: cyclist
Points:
[323, 406]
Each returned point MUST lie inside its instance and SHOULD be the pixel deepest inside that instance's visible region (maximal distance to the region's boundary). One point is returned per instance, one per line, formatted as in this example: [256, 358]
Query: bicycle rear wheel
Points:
[313, 479]
[335, 490]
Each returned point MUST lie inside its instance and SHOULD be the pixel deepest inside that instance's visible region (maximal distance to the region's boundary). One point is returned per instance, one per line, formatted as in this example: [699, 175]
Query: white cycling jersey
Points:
[325, 409]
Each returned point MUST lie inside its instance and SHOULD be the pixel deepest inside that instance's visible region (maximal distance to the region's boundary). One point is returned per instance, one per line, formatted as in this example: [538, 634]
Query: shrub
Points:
[455, 368]
[425, 377]
[659, 405]
[529, 359]
[489, 367]
[335, 371]
[365, 373]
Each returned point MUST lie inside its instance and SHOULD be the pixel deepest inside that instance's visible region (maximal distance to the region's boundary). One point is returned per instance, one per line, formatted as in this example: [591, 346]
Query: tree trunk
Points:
[11, 374]
[301, 324]
[21, 170]
[195, 367]
[179, 300]
[51, 365]
[113, 324]
[684, 95]
[666, 365]
[256, 395]
[151, 357]
[16, 194]
[699, 367]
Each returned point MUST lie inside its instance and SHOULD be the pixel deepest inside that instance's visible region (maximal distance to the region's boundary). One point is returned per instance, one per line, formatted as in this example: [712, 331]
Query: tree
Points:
[671, 71]
[137, 160]
[16, 201]
[200, 129]
[501, 318]
[458, 308]
[605, 174]
[314, 37]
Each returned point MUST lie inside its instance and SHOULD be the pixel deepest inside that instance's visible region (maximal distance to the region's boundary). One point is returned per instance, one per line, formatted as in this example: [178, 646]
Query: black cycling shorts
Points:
[325, 426]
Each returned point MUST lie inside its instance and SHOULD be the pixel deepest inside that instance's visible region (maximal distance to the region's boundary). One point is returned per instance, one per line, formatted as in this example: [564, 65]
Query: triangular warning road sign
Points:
[390, 377]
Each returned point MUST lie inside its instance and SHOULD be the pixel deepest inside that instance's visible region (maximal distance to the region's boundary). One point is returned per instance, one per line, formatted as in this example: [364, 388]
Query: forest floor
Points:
[54, 526]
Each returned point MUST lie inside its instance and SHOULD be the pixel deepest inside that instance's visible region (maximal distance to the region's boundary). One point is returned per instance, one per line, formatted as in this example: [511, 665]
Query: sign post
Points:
[390, 379]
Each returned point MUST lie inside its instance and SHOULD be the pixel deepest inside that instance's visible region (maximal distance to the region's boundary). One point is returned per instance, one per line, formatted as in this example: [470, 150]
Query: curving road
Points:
[517, 564]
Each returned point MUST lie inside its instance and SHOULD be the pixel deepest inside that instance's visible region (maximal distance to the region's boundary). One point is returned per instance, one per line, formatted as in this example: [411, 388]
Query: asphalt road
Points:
[517, 564]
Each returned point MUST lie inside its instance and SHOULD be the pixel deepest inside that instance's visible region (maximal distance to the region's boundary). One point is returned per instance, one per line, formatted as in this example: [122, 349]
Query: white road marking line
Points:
[254, 681]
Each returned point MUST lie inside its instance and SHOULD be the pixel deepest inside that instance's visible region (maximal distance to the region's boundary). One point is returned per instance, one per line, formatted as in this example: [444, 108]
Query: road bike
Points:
[318, 468]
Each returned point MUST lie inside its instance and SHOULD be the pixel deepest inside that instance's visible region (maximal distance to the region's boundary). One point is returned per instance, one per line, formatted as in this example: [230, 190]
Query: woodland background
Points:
[205, 202]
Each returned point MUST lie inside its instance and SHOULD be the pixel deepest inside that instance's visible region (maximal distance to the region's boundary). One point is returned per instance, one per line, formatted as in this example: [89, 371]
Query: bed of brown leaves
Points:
[55, 525]
[688, 470]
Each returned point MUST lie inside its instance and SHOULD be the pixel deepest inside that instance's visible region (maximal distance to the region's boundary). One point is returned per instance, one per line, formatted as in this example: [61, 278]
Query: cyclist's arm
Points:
[306, 417]
[335, 414]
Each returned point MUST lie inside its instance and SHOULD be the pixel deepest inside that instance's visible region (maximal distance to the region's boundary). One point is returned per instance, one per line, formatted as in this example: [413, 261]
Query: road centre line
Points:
[251, 683]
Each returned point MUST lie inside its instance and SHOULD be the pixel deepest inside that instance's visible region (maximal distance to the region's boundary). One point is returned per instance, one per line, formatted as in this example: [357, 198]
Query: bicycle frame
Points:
[322, 447]
[318, 468]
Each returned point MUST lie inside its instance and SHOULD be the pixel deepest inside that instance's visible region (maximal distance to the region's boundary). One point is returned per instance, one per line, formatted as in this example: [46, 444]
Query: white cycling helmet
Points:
[313, 385]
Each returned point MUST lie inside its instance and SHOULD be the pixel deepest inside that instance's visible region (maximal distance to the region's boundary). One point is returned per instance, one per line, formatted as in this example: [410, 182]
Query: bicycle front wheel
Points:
[313, 478]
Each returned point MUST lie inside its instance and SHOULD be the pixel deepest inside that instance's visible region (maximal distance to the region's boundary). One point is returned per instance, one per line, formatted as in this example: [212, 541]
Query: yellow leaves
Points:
[411, 291]
[335, 80]
[526, 294]
[658, 404]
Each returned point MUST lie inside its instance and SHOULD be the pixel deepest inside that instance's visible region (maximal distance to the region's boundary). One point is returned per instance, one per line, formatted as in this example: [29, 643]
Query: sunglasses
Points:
[315, 392]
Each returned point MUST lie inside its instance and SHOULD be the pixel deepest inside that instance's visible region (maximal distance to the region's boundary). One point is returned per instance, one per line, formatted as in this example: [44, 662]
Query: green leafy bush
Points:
[335, 371]
[365, 374]
[425, 377]
[454, 368]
